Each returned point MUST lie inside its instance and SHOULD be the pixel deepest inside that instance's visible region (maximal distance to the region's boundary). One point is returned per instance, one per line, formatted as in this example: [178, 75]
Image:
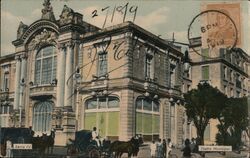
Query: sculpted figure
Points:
[66, 16]
[21, 29]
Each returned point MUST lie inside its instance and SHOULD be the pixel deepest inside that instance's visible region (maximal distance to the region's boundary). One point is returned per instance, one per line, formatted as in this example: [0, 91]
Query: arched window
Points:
[103, 113]
[42, 115]
[45, 67]
[148, 118]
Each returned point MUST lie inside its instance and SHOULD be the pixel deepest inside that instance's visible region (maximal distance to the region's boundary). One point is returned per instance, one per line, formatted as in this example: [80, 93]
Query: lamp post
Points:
[22, 84]
[77, 78]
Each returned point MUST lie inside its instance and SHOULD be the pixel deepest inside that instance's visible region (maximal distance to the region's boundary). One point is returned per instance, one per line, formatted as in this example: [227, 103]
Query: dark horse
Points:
[131, 147]
[44, 142]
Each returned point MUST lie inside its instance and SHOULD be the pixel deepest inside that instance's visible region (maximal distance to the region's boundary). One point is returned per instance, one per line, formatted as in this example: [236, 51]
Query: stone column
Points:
[127, 119]
[69, 75]
[17, 82]
[60, 76]
[172, 123]
[165, 119]
[23, 76]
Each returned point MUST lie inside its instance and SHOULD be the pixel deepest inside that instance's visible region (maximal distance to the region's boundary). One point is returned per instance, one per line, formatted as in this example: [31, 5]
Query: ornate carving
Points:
[47, 11]
[45, 37]
[21, 29]
[67, 15]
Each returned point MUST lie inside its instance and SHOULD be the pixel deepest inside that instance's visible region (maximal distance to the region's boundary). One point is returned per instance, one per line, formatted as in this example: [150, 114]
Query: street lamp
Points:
[77, 78]
[22, 84]
[186, 61]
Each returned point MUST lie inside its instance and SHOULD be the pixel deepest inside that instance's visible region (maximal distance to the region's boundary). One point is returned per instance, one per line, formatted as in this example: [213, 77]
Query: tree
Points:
[203, 104]
[233, 121]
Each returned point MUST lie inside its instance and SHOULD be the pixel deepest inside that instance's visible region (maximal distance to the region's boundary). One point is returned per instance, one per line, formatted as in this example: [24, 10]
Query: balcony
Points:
[42, 90]
[99, 82]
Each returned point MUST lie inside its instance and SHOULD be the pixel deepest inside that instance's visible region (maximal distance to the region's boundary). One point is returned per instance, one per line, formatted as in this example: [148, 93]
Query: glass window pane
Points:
[102, 103]
[102, 68]
[92, 104]
[205, 72]
[113, 102]
[37, 71]
[147, 105]
[156, 106]
[139, 104]
[47, 51]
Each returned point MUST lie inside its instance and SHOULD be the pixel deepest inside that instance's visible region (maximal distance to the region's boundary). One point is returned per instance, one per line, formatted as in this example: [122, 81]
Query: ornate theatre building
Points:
[69, 75]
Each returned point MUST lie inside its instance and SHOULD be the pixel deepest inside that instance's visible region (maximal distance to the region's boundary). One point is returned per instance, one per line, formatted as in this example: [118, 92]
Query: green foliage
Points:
[233, 121]
[203, 104]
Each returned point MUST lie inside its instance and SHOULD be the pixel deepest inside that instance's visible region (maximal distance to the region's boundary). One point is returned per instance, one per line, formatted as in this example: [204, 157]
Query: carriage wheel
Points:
[94, 153]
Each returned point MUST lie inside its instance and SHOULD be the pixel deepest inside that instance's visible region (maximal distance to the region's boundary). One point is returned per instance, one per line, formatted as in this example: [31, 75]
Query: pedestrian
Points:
[164, 148]
[187, 149]
[159, 149]
[169, 147]
[9, 152]
[152, 149]
[95, 136]
[192, 145]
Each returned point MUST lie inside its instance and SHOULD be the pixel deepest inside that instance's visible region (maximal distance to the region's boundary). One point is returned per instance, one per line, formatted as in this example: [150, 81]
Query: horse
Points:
[131, 147]
[44, 143]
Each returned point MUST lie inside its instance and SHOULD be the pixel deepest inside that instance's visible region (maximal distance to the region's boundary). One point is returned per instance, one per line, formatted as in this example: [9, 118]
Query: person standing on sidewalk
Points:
[153, 149]
[9, 152]
[186, 150]
[159, 149]
[169, 147]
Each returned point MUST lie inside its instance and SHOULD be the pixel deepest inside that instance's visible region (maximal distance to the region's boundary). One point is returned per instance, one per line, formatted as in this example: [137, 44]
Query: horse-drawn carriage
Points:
[84, 146]
[25, 136]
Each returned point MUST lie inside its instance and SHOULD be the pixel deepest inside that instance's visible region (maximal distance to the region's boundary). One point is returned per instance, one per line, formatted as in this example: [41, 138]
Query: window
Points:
[147, 118]
[148, 66]
[42, 116]
[225, 89]
[231, 75]
[172, 74]
[231, 92]
[45, 67]
[103, 113]
[205, 72]
[102, 64]
[205, 54]
[237, 94]
[238, 81]
[224, 72]
[5, 109]
[6, 81]
[188, 88]
[102, 103]
[223, 52]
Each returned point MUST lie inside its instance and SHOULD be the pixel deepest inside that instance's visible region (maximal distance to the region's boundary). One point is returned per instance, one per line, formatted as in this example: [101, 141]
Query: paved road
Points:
[60, 152]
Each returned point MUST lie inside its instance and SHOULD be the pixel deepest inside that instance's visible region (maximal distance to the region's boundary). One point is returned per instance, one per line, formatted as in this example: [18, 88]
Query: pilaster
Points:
[69, 74]
[127, 115]
[60, 75]
[17, 82]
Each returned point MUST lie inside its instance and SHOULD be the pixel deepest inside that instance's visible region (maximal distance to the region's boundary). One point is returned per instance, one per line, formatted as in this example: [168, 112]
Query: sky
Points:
[157, 16]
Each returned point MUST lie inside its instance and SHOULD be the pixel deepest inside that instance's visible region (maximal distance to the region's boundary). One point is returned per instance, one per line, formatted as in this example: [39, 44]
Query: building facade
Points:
[228, 70]
[69, 75]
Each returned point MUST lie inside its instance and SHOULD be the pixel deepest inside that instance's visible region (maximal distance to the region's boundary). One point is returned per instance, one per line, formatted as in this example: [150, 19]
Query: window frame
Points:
[42, 57]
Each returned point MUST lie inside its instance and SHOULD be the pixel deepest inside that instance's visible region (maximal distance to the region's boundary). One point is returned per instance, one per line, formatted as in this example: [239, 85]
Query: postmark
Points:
[216, 29]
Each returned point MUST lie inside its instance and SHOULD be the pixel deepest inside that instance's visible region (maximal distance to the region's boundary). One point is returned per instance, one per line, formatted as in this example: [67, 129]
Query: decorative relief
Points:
[21, 29]
[67, 15]
[45, 37]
